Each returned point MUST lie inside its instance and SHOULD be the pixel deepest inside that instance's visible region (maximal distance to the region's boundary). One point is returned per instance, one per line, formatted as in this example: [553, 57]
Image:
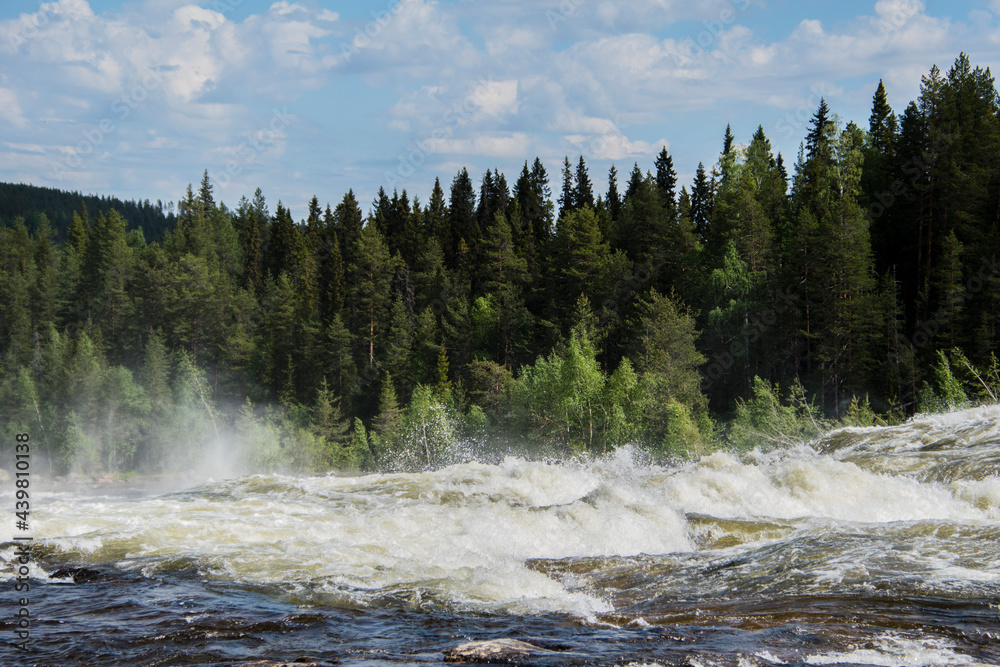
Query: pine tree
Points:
[567, 199]
[877, 180]
[666, 183]
[635, 179]
[370, 290]
[542, 193]
[436, 223]
[329, 425]
[505, 274]
[339, 365]
[727, 141]
[399, 344]
[835, 269]
[702, 203]
[462, 212]
[389, 417]
[613, 199]
[668, 361]
[487, 202]
[347, 224]
[115, 271]
[583, 194]
[205, 198]
[283, 240]
[44, 290]
[949, 292]
[642, 229]
[579, 258]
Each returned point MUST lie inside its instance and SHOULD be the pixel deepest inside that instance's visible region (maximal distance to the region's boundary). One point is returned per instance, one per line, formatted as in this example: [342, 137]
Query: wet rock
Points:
[510, 651]
[298, 662]
[79, 575]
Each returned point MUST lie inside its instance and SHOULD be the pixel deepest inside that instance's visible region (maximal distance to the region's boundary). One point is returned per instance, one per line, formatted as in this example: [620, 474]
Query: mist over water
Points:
[872, 546]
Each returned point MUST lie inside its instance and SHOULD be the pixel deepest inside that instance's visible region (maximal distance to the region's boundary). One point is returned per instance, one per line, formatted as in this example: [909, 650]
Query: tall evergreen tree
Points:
[613, 200]
[702, 202]
[583, 194]
[462, 213]
[666, 183]
[371, 278]
[567, 198]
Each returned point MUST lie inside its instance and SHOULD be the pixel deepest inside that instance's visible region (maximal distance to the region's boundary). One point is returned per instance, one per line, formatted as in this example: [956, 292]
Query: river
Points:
[875, 546]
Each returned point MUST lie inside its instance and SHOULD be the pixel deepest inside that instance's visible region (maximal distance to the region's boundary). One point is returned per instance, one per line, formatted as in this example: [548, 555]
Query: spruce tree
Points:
[613, 200]
[583, 194]
[666, 183]
[567, 198]
[462, 214]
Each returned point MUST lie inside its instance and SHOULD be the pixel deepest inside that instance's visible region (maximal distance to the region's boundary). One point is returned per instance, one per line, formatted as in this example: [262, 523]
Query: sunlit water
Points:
[871, 547]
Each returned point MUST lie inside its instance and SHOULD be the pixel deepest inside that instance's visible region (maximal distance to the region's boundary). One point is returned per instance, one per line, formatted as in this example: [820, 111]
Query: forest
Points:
[751, 307]
[29, 202]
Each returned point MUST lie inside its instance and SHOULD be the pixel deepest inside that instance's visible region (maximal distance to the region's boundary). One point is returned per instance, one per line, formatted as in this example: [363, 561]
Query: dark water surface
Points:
[872, 547]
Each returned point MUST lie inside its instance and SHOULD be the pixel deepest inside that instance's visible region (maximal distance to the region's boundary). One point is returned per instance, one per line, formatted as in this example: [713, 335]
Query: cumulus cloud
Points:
[10, 109]
[502, 80]
[515, 145]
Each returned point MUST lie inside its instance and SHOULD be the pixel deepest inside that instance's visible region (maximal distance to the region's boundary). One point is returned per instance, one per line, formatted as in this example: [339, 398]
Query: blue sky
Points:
[304, 97]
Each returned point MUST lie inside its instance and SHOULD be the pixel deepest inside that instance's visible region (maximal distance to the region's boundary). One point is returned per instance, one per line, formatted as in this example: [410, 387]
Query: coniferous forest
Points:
[758, 304]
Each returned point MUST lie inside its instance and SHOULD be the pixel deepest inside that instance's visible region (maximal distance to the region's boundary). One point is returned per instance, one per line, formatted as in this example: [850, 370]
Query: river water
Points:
[875, 546]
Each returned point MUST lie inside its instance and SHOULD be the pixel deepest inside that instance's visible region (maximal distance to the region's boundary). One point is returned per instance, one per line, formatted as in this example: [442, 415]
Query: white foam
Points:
[896, 651]
[722, 485]
[464, 535]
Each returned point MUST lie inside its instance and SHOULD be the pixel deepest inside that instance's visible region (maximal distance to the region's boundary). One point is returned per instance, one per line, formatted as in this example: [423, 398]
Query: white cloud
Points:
[496, 98]
[502, 80]
[283, 8]
[189, 16]
[515, 145]
[10, 109]
[614, 146]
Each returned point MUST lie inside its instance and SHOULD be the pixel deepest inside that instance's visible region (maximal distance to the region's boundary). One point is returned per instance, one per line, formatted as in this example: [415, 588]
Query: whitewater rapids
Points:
[873, 515]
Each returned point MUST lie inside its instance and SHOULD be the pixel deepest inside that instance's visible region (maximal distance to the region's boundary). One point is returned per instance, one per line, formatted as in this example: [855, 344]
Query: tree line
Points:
[864, 283]
[30, 201]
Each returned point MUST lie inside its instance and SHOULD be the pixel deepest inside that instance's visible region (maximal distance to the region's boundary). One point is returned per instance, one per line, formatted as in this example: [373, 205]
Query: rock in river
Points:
[511, 651]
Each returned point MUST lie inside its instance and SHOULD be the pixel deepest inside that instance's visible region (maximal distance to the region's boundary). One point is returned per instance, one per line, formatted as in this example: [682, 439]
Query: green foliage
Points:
[560, 395]
[127, 343]
[862, 414]
[260, 440]
[668, 361]
[682, 436]
[766, 421]
[357, 455]
[429, 435]
[956, 383]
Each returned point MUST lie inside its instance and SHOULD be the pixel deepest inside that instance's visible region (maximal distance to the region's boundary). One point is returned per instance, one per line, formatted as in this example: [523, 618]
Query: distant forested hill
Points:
[28, 201]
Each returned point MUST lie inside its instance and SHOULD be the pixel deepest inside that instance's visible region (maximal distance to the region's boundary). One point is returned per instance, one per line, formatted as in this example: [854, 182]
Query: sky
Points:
[138, 98]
